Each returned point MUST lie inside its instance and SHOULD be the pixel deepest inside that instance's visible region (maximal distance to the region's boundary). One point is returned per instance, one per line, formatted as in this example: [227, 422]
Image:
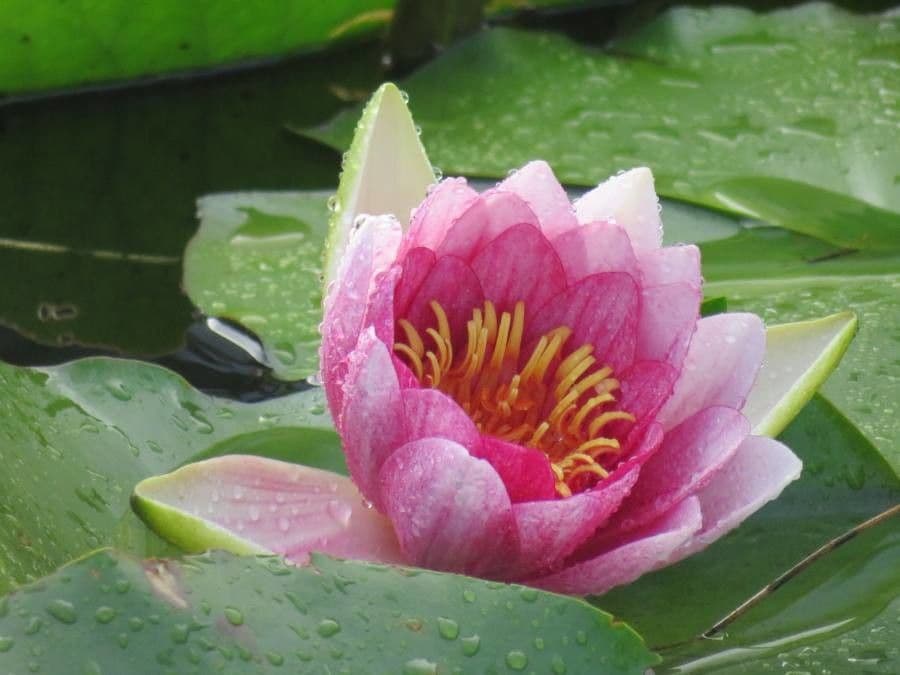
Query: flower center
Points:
[556, 400]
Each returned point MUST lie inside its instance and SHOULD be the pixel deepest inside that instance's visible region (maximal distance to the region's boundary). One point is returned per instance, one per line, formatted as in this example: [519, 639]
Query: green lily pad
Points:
[78, 437]
[86, 42]
[217, 613]
[783, 116]
[844, 482]
[256, 259]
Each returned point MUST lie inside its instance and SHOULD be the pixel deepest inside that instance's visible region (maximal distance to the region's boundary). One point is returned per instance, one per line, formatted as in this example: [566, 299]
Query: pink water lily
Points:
[525, 391]
[524, 386]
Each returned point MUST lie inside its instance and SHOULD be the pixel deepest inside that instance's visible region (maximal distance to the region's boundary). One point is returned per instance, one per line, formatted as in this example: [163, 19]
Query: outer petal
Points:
[252, 504]
[370, 252]
[690, 456]
[372, 423]
[446, 202]
[757, 473]
[536, 184]
[455, 287]
[648, 549]
[450, 511]
[671, 265]
[725, 353]
[601, 310]
[628, 199]
[549, 531]
[431, 413]
[669, 315]
[595, 248]
[525, 472]
[486, 219]
[520, 264]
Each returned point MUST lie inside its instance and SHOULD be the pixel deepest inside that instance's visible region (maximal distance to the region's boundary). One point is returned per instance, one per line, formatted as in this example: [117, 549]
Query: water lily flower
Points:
[525, 391]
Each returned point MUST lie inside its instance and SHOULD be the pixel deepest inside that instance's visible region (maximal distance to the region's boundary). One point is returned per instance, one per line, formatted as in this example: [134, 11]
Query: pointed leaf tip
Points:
[799, 358]
[385, 171]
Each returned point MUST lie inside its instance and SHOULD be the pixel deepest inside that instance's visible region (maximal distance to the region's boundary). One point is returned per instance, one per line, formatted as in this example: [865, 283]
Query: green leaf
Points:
[254, 615]
[844, 482]
[78, 437]
[777, 116]
[385, 171]
[102, 198]
[256, 259]
[799, 358]
[48, 46]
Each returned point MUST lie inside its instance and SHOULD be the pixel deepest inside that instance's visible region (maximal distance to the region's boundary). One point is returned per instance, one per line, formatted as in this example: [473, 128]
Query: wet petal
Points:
[536, 184]
[249, 504]
[429, 412]
[671, 265]
[669, 316]
[453, 284]
[724, 356]
[629, 200]
[450, 511]
[446, 202]
[595, 248]
[487, 218]
[525, 471]
[652, 547]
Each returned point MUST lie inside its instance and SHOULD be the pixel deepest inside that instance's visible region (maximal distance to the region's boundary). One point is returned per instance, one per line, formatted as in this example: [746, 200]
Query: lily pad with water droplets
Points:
[110, 613]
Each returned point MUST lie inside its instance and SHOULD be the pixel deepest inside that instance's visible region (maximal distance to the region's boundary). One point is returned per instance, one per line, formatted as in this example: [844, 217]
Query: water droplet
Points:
[118, 389]
[284, 524]
[528, 594]
[558, 665]
[539, 643]
[180, 633]
[135, 623]
[6, 643]
[105, 614]
[469, 595]
[419, 667]
[340, 511]
[123, 586]
[234, 616]
[470, 645]
[62, 610]
[275, 658]
[448, 628]
[581, 637]
[328, 627]
[516, 660]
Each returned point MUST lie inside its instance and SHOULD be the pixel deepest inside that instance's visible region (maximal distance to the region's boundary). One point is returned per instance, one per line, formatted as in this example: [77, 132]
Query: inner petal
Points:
[557, 396]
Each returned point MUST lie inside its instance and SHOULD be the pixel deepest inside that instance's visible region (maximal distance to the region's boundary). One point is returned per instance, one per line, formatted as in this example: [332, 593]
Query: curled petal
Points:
[595, 248]
[249, 504]
[525, 471]
[551, 530]
[429, 412]
[724, 356]
[520, 264]
[650, 548]
[757, 473]
[629, 200]
[372, 422]
[450, 511]
[446, 202]
[453, 284]
[536, 184]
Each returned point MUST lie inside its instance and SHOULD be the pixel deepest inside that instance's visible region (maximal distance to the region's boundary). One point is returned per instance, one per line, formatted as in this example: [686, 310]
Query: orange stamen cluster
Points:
[555, 400]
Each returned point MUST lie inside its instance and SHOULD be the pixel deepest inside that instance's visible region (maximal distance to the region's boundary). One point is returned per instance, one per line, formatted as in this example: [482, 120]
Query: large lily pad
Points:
[77, 438]
[47, 46]
[111, 613]
[783, 116]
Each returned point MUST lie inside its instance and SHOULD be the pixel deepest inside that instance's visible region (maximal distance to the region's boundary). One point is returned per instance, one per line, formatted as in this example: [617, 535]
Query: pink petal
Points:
[629, 200]
[601, 310]
[456, 288]
[724, 356]
[689, 457]
[551, 530]
[669, 315]
[486, 219]
[446, 202]
[645, 386]
[369, 252]
[648, 549]
[285, 508]
[756, 474]
[431, 413]
[520, 264]
[380, 311]
[416, 266]
[450, 511]
[536, 184]
[671, 265]
[372, 423]
[525, 471]
[595, 248]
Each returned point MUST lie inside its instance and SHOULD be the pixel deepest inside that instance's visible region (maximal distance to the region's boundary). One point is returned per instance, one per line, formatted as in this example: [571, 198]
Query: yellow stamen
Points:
[554, 399]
